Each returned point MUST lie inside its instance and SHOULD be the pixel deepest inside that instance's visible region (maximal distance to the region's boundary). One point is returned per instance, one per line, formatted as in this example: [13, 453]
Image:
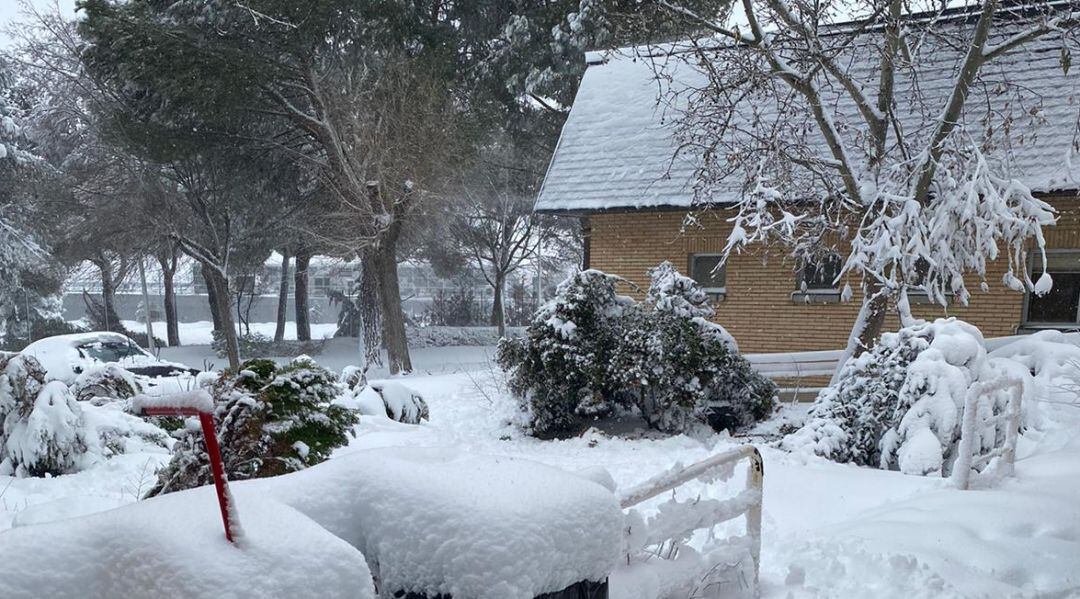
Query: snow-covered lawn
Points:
[830, 530]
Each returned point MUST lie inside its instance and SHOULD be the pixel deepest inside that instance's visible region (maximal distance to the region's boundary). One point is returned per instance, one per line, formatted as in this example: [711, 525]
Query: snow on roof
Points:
[618, 145]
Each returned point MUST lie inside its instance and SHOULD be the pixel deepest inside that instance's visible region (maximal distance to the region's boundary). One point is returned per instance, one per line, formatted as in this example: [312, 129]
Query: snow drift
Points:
[431, 520]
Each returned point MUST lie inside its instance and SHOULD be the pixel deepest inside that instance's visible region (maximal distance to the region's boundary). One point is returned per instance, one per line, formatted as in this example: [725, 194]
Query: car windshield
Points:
[111, 351]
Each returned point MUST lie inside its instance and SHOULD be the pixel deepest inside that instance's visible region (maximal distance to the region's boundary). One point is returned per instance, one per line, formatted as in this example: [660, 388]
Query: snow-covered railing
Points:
[676, 522]
[796, 364]
[967, 456]
[823, 363]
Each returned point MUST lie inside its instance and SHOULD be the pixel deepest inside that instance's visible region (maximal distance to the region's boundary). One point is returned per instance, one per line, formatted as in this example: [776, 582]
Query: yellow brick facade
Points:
[758, 309]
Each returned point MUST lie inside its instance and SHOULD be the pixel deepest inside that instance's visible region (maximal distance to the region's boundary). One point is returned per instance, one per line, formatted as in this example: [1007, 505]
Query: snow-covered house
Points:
[617, 168]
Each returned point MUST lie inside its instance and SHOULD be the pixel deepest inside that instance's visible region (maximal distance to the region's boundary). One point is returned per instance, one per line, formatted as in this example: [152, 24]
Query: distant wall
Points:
[195, 308]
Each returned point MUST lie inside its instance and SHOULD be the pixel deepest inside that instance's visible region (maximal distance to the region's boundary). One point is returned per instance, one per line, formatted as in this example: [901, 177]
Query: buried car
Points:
[66, 357]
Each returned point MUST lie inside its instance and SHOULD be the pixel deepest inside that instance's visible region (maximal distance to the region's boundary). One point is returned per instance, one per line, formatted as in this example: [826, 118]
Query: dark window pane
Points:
[1060, 305]
[820, 273]
[703, 270]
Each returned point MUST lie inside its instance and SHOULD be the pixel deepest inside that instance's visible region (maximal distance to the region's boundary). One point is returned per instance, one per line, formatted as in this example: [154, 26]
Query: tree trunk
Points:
[283, 298]
[168, 276]
[211, 297]
[370, 314]
[303, 311]
[498, 313]
[393, 329]
[867, 327]
[223, 300]
[108, 298]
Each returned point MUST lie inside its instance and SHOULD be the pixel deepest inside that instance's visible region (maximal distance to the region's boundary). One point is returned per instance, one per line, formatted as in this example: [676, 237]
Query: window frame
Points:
[713, 292]
[1025, 321]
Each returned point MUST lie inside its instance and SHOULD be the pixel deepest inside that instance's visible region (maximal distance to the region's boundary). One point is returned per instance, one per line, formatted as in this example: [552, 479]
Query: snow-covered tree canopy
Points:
[27, 282]
[898, 139]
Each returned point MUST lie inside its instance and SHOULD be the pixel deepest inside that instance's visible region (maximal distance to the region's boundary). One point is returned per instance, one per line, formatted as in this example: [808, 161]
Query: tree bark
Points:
[211, 297]
[867, 328]
[370, 313]
[108, 298]
[303, 310]
[168, 276]
[223, 300]
[393, 319]
[498, 312]
[283, 298]
[172, 322]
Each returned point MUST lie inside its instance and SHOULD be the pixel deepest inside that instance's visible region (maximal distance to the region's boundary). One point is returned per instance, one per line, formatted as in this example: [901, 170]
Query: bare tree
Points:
[493, 226]
[866, 138]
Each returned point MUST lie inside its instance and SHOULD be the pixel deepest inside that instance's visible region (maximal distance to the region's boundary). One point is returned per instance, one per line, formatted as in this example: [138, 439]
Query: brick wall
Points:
[758, 308]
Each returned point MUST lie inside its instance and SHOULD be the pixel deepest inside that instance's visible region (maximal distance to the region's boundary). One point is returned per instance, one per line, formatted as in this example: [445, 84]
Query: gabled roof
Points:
[618, 146]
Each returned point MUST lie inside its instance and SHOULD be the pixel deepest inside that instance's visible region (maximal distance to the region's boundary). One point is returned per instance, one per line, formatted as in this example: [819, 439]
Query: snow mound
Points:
[438, 520]
[430, 521]
[174, 546]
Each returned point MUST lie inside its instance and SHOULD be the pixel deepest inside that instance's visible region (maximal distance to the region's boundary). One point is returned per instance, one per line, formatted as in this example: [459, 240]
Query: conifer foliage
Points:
[270, 420]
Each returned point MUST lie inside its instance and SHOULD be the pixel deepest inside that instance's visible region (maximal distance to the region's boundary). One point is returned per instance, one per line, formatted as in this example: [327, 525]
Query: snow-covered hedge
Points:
[591, 351]
[270, 420]
[446, 336]
[900, 405]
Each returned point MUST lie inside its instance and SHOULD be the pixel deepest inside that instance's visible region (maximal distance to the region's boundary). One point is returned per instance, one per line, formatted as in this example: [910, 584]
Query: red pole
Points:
[218, 468]
[206, 419]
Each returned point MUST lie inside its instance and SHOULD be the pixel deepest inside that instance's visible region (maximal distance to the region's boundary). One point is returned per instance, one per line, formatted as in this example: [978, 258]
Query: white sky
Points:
[10, 13]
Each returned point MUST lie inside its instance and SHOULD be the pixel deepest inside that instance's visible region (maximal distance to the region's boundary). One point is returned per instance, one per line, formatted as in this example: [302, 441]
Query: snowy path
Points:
[830, 530]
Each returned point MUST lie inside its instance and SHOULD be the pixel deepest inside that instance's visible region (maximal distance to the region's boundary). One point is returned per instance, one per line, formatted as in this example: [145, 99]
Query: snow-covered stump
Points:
[197, 403]
[966, 449]
[677, 521]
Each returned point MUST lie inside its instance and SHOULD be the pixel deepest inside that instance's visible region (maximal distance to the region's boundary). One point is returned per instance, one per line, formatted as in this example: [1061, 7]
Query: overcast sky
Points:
[10, 13]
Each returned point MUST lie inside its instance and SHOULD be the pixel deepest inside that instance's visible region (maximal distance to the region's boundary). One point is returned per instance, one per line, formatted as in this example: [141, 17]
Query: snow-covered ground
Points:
[201, 333]
[830, 530]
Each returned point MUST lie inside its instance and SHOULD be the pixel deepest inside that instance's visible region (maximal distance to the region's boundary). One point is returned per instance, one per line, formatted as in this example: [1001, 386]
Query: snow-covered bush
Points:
[899, 405]
[561, 368]
[45, 431]
[402, 403]
[41, 432]
[102, 383]
[590, 351]
[270, 420]
[389, 399]
[682, 369]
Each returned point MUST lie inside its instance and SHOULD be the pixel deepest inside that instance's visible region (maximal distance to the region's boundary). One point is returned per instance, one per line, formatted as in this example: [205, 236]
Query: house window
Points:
[322, 285]
[709, 272]
[1061, 306]
[918, 293]
[817, 279]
